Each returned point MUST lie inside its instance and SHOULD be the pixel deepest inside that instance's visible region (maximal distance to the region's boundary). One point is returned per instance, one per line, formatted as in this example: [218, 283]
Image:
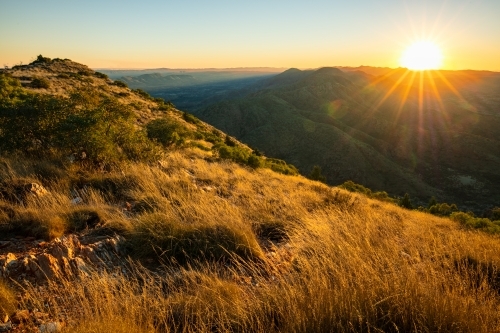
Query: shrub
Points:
[405, 202]
[94, 129]
[167, 131]
[40, 83]
[316, 174]
[443, 209]
[119, 83]
[101, 75]
[254, 161]
[41, 60]
[280, 166]
[142, 93]
[190, 118]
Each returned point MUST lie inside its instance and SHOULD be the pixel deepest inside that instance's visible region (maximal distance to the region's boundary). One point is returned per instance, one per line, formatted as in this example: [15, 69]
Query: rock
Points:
[50, 327]
[76, 201]
[9, 258]
[21, 316]
[35, 189]
[79, 267]
[90, 254]
[5, 319]
[49, 267]
[5, 327]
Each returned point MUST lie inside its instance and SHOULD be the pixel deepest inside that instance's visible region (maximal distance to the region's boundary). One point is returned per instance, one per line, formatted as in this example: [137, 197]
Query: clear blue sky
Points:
[197, 34]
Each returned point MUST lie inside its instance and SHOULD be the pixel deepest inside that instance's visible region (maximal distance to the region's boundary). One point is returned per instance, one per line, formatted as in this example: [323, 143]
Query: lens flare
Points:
[422, 55]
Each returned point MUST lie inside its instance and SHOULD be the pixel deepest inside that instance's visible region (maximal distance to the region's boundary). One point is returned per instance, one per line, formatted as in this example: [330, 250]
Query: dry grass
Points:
[322, 259]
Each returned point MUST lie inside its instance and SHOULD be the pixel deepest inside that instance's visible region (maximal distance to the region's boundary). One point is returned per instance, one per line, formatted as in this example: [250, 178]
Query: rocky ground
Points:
[28, 261]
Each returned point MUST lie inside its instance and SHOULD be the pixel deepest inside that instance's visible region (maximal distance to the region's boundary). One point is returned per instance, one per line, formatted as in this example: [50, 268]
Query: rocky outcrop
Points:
[66, 257]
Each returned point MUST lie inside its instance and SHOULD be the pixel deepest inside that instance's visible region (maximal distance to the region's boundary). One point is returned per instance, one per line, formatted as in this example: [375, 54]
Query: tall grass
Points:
[342, 262]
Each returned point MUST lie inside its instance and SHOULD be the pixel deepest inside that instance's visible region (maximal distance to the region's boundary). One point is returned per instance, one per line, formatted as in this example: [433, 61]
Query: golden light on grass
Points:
[422, 55]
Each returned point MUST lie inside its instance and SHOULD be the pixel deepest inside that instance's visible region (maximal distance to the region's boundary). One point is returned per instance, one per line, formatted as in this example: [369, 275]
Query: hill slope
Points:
[430, 134]
[214, 245]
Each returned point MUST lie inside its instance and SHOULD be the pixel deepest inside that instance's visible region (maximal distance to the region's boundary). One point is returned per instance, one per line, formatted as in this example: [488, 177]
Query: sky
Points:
[258, 33]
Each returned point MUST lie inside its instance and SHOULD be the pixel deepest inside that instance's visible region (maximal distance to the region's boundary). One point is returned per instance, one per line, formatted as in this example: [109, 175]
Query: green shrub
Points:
[190, 118]
[405, 202]
[316, 174]
[94, 129]
[40, 83]
[254, 161]
[167, 131]
[101, 75]
[280, 166]
[443, 209]
[119, 83]
[469, 221]
[142, 93]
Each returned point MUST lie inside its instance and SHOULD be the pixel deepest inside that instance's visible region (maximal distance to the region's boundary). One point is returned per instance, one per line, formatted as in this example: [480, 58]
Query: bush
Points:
[40, 83]
[280, 166]
[41, 60]
[254, 162]
[316, 174]
[405, 202]
[469, 221]
[142, 93]
[94, 129]
[167, 131]
[119, 83]
[443, 209]
[190, 118]
[101, 75]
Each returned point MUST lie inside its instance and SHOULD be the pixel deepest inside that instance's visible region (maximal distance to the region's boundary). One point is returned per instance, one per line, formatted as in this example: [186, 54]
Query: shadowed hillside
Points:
[425, 133]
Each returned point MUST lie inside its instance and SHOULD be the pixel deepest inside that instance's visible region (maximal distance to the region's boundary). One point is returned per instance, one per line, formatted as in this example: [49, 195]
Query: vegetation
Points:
[40, 83]
[218, 246]
[119, 83]
[316, 174]
[358, 127]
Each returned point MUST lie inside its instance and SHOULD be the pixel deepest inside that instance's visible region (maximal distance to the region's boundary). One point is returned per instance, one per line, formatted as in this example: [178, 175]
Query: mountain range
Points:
[431, 133]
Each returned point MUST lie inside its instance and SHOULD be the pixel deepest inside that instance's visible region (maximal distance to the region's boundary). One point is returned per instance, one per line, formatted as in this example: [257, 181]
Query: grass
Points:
[248, 250]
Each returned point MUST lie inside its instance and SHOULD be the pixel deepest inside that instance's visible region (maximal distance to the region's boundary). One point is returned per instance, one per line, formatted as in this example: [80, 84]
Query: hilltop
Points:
[176, 226]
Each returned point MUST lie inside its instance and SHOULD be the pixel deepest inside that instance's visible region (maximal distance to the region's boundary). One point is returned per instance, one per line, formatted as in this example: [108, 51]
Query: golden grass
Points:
[343, 263]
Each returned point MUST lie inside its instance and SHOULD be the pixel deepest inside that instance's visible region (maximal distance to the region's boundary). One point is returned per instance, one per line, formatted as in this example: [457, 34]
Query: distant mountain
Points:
[430, 133]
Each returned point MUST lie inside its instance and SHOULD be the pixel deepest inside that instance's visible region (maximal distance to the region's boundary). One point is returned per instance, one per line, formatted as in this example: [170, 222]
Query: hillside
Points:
[192, 232]
[431, 134]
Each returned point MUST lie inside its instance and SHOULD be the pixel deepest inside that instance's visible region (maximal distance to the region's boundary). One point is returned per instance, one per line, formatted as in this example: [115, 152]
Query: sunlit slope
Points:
[416, 132]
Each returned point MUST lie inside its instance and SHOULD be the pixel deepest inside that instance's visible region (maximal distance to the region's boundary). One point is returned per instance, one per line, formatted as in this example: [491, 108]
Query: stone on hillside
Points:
[35, 189]
[79, 267]
[49, 267]
[50, 327]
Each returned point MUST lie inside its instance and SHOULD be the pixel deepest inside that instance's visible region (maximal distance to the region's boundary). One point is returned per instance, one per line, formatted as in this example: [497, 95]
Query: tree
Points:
[405, 202]
[316, 174]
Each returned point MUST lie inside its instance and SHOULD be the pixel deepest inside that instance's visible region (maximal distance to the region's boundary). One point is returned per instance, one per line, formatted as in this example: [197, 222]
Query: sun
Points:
[422, 55]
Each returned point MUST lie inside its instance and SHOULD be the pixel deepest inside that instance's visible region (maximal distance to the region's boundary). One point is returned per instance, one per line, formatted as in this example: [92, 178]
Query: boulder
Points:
[49, 267]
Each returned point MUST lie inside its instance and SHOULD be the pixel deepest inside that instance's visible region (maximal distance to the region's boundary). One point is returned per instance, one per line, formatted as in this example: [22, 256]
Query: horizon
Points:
[156, 34]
